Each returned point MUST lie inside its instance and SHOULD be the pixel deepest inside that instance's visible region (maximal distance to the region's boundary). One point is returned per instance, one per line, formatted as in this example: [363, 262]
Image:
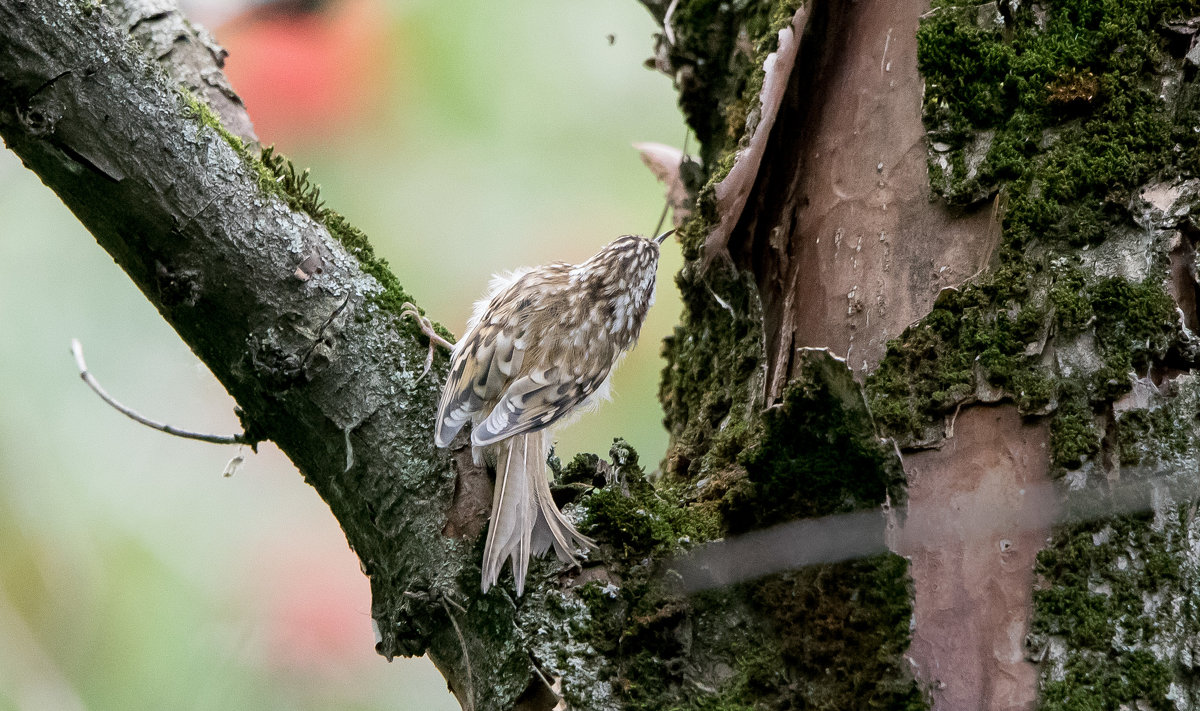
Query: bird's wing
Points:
[482, 366]
[537, 399]
[515, 369]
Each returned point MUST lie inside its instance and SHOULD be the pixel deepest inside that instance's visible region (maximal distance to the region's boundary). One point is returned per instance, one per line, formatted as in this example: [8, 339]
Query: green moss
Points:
[752, 674]
[1069, 70]
[1073, 434]
[965, 67]
[1164, 434]
[817, 454]
[845, 629]
[1096, 604]
[700, 409]
[1033, 390]
[1072, 308]
[853, 618]
[1100, 683]
[1135, 322]
[936, 364]
[637, 519]
[642, 625]
[981, 329]
[1066, 94]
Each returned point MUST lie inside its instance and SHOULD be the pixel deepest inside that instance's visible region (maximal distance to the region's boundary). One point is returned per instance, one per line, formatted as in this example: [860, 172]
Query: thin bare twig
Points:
[469, 705]
[77, 351]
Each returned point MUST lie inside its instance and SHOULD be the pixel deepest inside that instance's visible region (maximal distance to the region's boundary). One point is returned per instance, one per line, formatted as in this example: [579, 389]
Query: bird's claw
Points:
[409, 310]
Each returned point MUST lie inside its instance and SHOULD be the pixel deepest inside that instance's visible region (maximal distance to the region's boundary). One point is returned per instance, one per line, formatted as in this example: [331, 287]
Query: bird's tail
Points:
[524, 519]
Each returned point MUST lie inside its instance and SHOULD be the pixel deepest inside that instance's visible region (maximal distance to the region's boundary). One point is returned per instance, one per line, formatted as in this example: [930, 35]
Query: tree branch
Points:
[316, 364]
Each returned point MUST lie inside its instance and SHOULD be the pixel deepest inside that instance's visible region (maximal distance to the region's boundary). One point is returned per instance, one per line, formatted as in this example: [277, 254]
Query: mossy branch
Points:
[289, 307]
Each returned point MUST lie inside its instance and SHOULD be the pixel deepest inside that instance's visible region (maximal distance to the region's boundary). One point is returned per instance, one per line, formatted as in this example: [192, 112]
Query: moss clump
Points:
[1072, 308]
[701, 409]
[1073, 433]
[1101, 683]
[965, 67]
[845, 629]
[986, 330]
[756, 670]
[816, 454]
[1071, 71]
[642, 625]
[982, 329]
[1100, 574]
[1135, 322]
[636, 518]
[1145, 436]
[1033, 391]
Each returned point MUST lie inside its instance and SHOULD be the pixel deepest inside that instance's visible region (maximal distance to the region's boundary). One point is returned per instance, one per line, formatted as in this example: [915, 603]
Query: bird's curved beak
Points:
[659, 239]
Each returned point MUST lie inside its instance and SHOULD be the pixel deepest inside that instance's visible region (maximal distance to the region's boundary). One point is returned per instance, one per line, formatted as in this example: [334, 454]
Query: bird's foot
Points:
[408, 310]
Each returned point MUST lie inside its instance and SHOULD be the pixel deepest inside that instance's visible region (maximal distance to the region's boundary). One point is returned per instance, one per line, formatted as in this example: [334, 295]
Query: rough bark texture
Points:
[1059, 205]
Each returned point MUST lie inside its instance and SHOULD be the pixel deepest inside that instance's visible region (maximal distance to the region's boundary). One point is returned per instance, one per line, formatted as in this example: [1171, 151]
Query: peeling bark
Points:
[1027, 265]
[844, 241]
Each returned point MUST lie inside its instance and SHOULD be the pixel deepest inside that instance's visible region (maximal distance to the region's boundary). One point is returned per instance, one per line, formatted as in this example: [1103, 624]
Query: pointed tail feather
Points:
[525, 520]
[511, 524]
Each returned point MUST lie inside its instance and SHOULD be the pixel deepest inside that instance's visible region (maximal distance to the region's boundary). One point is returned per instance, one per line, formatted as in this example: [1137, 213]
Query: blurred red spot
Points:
[314, 607]
[305, 75]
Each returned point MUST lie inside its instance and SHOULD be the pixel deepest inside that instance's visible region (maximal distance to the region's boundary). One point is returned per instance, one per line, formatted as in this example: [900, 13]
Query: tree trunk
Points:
[1000, 248]
[959, 301]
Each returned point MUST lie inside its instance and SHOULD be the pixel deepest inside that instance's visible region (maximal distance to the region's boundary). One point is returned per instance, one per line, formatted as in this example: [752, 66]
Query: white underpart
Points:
[498, 283]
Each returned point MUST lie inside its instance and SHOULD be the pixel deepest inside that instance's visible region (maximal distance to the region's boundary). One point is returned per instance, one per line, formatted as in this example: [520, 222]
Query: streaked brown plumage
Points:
[541, 346]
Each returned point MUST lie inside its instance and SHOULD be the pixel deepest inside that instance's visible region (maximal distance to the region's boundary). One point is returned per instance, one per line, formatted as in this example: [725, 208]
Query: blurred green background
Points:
[465, 139]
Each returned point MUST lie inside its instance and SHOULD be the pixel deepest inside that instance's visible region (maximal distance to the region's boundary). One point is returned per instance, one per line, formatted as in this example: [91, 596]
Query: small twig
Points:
[454, 604]
[77, 351]
[469, 705]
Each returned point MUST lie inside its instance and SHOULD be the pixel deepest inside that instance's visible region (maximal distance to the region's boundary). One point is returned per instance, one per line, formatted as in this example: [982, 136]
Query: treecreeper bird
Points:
[539, 348]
